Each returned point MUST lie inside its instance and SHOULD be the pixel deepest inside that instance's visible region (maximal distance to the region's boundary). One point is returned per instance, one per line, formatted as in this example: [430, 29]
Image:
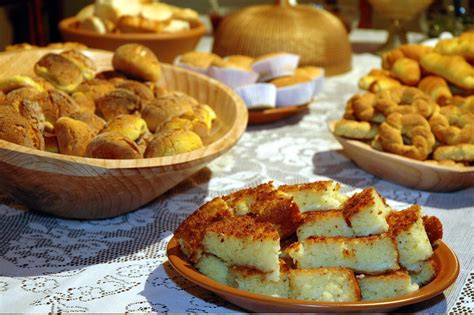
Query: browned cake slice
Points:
[242, 201]
[371, 254]
[412, 241]
[243, 241]
[190, 233]
[316, 196]
[386, 286]
[213, 267]
[429, 270]
[324, 284]
[366, 213]
[323, 223]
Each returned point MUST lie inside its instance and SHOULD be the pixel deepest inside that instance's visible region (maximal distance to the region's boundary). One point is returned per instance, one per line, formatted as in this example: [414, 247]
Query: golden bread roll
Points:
[137, 88]
[161, 109]
[138, 24]
[95, 88]
[19, 81]
[117, 102]
[60, 71]
[415, 51]
[458, 153]
[130, 126]
[406, 70]
[17, 129]
[461, 46]
[112, 145]
[95, 123]
[198, 59]
[366, 81]
[453, 68]
[243, 61]
[225, 63]
[16, 96]
[137, 61]
[85, 102]
[72, 136]
[389, 58]
[175, 142]
[84, 63]
[436, 87]
[290, 80]
[310, 71]
[55, 104]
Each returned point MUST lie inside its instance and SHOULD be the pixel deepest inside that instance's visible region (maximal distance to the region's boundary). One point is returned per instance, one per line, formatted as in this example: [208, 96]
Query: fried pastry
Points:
[437, 88]
[453, 126]
[455, 69]
[361, 130]
[458, 153]
[137, 61]
[406, 70]
[461, 46]
[415, 51]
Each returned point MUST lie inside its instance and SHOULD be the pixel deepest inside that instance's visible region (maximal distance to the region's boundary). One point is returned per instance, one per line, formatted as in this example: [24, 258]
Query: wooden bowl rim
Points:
[225, 142]
[65, 26]
[391, 156]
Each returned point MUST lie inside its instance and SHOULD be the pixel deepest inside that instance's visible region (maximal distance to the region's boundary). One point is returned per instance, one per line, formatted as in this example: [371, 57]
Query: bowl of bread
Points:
[415, 123]
[93, 134]
[310, 248]
[107, 24]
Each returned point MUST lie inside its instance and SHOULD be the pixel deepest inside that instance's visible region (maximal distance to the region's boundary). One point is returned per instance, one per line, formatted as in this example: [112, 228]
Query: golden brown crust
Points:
[73, 136]
[138, 24]
[95, 88]
[402, 221]
[161, 109]
[358, 202]
[117, 102]
[18, 129]
[244, 227]
[198, 59]
[137, 61]
[139, 89]
[92, 120]
[433, 227]
[60, 71]
[290, 80]
[315, 215]
[173, 142]
[323, 185]
[112, 145]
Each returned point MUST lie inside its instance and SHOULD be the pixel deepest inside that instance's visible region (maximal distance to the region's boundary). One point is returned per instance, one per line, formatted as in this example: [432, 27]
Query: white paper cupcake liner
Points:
[258, 96]
[277, 66]
[318, 83]
[178, 63]
[297, 94]
[233, 77]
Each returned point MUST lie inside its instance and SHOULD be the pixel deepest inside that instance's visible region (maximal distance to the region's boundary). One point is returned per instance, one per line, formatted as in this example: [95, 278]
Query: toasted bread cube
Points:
[213, 267]
[316, 196]
[242, 201]
[324, 284]
[428, 272]
[366, 213]
[370, 254]
[242, 241]
[407, 228]
[323, 223]
[255, 281]
[191, 232]
[386, 286]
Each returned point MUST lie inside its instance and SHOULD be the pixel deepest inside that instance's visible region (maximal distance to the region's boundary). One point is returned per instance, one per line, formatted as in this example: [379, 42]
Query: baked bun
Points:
[117, 102]
[175, 142]
[18, 81]
[72, 136]
[290, 80]
[18, 129]
[112, 145]
[84, 63]
[95, 88]
[137, 61]
[55, 104]
[60, 71]
[130, 126]
[139, 89]
[198, 59]
[95, 123]
[138, 24]
[85, 102]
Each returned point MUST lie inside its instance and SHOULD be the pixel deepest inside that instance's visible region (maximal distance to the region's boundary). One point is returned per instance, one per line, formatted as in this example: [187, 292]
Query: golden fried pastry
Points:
[19, 81]
[84, 63]
[130, 126]
[362, 106]
[406, 70]
[366, 81]
[461, 46]
[85, 102]
[137, 61]
[185, 14]
[175, 142]
[361, 130]
[138, 24]
[415, 51]
[205, 113]
[55, 104]
[453, 68]
[60, 71]
[72, 136]
[290, 80]
[389, 58]
[405, 100]
[113, 145]
[137, 88]
[458, 153]
[436, 87]
[95, 123]
[161, 109]
[384, 83]
[18, 129]
[453, 126]
[95, 88]
[198, 59]
[413, 126]
[467, 104]
[117, 102]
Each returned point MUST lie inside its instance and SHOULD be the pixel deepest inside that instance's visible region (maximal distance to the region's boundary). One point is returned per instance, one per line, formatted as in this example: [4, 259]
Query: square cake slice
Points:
[324, 284]
[407, 228]
[428, 272]
[243, 241]
[366, 213]
[316, 196]
[323, 223]
[386, 286]
[214, 268]
[242, 201]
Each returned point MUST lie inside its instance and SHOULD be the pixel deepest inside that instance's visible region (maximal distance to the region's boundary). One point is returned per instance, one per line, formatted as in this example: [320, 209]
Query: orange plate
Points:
[444, 256]
[265, 116]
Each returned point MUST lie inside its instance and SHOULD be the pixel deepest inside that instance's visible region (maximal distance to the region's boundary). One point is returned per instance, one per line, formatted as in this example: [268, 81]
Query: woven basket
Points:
[315, 34]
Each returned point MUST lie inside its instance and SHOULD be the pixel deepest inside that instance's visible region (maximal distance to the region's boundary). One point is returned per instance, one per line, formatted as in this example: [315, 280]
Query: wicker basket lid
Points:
[315, 34]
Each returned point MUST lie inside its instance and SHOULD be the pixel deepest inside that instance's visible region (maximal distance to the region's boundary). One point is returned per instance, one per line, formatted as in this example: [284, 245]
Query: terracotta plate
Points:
[265, 116]
[405, 171]
[444, 256]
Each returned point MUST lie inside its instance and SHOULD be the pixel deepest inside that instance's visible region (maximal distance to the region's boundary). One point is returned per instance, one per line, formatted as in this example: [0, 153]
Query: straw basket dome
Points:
[316, 35]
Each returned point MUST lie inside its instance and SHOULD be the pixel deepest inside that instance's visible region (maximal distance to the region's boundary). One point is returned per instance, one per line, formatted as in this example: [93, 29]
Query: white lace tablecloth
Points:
[49, 264]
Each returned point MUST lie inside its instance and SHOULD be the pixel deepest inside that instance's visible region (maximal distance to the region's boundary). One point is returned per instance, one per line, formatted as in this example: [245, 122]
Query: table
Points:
[49, 264]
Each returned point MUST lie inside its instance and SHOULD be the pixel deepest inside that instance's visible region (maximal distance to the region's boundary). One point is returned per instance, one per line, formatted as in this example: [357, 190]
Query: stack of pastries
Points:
[419, 105]
[311, 242]
[119, 114]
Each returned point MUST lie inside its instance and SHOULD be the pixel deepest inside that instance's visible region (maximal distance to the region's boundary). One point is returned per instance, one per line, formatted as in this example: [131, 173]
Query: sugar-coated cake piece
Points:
[243, 241]
[324, 284]
[386, 286]
[190, 233]
[213, 267]
[370, 254]
[321, 195]
[255, 281]
[428, 272]
[323, 223]
[413, 245]
[366, 212]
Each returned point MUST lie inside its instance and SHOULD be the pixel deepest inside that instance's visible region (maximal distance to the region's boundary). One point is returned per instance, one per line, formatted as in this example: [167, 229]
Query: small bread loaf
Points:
[73, 136]
[137, 61]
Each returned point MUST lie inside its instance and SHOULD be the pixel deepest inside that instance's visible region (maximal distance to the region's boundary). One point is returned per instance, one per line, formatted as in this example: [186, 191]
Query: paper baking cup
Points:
[258, 96]
[277, 66]
[297, 94]
[233, 77]
[318, 83]
[178, 63]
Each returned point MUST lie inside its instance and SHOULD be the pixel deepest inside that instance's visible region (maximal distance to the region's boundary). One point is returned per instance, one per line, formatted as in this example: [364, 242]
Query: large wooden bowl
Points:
[86, 188]
[165, 45]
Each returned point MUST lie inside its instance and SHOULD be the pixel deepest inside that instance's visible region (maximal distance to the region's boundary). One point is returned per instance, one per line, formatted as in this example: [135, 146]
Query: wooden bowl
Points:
[165, 45]
[86, 188]
[316, 35]
[405, 171]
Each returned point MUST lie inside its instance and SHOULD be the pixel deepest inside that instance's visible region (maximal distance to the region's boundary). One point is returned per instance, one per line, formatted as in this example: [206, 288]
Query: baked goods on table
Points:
[420, 105]
[311, 242]
[133, 16]
[121, 114]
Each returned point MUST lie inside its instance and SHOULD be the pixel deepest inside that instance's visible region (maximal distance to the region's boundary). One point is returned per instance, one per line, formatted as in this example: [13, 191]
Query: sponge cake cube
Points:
[243, 241]
[324, 284]
[429, 269]
[242, 201]
[386, 286]
[323, 223]
[213, 267]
